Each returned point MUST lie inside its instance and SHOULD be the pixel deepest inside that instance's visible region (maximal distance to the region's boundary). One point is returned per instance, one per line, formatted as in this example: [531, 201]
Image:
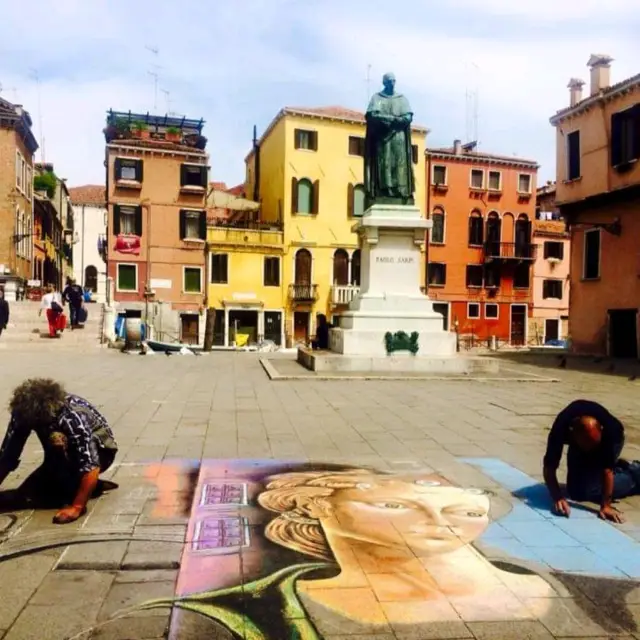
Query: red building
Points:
[480, 249]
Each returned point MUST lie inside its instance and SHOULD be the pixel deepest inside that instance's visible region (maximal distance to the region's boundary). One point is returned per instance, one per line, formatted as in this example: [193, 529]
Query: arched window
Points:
[355, 200]
[91, 278]
[523, 237]
[355, 268]
[303, 267]
[476, 230]
[304, 195]
[437, 230]
[493, 234]
[340, 267]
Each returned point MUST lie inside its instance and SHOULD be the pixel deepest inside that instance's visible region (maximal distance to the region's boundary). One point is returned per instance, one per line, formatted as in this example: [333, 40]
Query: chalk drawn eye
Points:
[427, 483]
[390, 505]
[476, 492]
[475, 514]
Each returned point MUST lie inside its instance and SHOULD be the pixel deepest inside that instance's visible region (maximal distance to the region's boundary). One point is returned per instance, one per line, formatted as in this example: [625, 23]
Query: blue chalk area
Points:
[581, 544]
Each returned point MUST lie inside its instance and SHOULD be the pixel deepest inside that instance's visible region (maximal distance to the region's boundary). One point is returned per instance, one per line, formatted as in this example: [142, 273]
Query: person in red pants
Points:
[52, 305]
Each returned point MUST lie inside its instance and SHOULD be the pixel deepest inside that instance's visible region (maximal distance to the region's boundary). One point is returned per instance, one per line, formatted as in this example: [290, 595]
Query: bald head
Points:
[586, 433]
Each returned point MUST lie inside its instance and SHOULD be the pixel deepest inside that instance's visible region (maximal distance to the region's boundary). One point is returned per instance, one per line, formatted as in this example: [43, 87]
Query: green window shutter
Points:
[139, 164]
[203, 225]
[183, 224]
[294, 195]
[350, 200]
[315, 207]
[138, 221]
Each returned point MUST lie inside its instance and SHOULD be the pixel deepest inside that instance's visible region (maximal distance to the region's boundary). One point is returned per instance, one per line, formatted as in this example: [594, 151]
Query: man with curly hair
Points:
[77, 441]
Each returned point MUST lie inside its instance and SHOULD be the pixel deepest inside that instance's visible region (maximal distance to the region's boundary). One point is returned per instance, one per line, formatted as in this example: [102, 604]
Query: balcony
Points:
[265, 235]
[303, 292]
[343, 294]
[509, 251]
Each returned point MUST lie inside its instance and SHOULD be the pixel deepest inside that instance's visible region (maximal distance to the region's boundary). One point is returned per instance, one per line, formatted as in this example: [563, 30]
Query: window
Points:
[625, 136]
[414, 153]
[18, 171]
[476, 229]
[436, 274]
[355, 268]
[591, 266]
[305, 139]
[552, 289]
[495, 180]
[554, 250]
[128, 169]
[127, 220]
[305, 196]
[23, 174]
[219, 268]
[192, 279]
[271, 271]
[437, 230]
[573, 155]
[551, 329]
[193, 175]
[521, 276]
[439, 177]
[91, 278]
[193, 225]
[356, 146]
[491, 311]
[524, 183]
[492, 276]
[477, 178]
[474, 275]
[340, 267]
[127, 277]
[473, 310]
[355, 200]
[29, 185]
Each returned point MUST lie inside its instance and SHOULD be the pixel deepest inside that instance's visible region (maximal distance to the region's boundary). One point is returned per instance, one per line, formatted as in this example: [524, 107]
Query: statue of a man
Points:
[388, 170]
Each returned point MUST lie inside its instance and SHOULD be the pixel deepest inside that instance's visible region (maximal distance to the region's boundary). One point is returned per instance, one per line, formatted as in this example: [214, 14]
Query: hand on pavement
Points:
[561, 507]
[611, 514]
[68, 514]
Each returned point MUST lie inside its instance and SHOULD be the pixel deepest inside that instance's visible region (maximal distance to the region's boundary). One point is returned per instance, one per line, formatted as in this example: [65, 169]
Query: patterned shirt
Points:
[87, 432]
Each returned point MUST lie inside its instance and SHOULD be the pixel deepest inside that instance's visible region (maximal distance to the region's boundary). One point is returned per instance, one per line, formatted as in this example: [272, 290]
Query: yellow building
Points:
[307, 173]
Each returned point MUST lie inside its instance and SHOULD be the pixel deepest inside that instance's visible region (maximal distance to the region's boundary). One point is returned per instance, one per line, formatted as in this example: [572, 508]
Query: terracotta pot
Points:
[173, 137]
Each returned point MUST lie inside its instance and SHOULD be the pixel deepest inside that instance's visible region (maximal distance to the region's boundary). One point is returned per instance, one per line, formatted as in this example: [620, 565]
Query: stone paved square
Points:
[225, 474]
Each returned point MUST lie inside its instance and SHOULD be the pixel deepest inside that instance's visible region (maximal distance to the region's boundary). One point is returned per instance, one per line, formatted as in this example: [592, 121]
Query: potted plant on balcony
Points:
[173, 134]
[140, 130]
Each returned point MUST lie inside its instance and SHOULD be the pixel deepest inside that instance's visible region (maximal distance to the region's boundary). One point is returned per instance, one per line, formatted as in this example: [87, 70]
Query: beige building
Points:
[598, 194]
[17, 147]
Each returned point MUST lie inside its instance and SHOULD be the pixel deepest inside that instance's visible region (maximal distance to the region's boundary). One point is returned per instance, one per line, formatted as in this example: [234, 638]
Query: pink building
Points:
[550, 282]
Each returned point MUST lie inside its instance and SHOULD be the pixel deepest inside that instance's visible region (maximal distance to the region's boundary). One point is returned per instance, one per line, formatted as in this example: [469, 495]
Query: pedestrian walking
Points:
[52, 305]
[4, 312]
[73, 296]
[78, 446]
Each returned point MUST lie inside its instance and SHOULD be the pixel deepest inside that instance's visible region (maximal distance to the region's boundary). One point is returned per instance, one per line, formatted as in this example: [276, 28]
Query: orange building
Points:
[480, 248]
[598, 194]
[157, 182]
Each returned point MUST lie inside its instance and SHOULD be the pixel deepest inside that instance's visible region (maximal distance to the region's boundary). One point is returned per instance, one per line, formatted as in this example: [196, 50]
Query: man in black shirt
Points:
[74, 296]
[595, 471]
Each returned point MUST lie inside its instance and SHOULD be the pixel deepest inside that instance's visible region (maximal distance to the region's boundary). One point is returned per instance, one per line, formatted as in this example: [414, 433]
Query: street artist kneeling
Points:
[78, 445]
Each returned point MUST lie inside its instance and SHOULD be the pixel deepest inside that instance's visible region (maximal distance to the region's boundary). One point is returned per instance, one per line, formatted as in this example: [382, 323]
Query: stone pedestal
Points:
[390, 299]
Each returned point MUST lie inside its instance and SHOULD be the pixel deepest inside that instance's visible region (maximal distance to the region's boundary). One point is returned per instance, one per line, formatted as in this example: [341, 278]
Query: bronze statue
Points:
[388, 170]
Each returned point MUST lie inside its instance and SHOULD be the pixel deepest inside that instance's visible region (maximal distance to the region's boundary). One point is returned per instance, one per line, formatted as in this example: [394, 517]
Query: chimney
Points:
[575, 91]
[600, 65]
[457, 147]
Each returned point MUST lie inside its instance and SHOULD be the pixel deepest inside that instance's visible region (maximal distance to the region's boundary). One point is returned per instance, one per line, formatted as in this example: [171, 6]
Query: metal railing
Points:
[509, 251]
[303, 292]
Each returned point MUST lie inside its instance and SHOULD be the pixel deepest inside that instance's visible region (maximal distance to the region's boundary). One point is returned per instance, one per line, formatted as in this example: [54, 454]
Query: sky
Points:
[236, 63]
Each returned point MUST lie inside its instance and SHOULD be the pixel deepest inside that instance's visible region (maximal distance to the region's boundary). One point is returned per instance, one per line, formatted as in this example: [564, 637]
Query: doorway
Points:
[623, 333]
[551, 329]
[273, 326]
[301, 327]
[443, 308]
[518, 324]
[243, 327]
[189, 328]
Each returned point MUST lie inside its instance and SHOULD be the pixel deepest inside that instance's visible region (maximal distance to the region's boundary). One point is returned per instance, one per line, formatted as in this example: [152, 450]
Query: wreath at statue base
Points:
[401, 341]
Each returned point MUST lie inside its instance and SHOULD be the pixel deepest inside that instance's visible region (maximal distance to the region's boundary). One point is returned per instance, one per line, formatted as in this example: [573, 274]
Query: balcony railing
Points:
[343, 293]
[509, 251]
[303, 292]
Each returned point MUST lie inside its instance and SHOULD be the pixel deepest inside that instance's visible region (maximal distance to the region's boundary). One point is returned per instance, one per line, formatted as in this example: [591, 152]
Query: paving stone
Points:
[96, 555]
[154, 575]
[153, 555]
[72, 588]
[124, 596]
[132, 628]
[522, 630]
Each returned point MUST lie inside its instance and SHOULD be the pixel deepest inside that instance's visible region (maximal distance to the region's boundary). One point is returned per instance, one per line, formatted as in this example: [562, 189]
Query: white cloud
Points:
[236, 65]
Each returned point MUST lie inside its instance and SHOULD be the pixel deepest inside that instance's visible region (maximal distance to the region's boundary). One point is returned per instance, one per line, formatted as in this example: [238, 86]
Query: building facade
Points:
[550, 282]
[480, 249]
[306, 171]
[598, 195]
[90, 229]
[157, 181]
[17, 148]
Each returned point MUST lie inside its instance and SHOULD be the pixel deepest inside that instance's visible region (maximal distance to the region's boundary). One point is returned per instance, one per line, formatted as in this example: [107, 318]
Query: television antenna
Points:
[472, 105]
[154, 73]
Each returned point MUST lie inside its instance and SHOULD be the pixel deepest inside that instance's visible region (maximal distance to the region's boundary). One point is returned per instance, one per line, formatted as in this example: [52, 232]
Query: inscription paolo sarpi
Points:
[394, 260]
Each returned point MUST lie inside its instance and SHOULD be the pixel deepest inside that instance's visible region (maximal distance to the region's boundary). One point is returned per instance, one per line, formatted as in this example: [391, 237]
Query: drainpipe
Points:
[426, 235]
